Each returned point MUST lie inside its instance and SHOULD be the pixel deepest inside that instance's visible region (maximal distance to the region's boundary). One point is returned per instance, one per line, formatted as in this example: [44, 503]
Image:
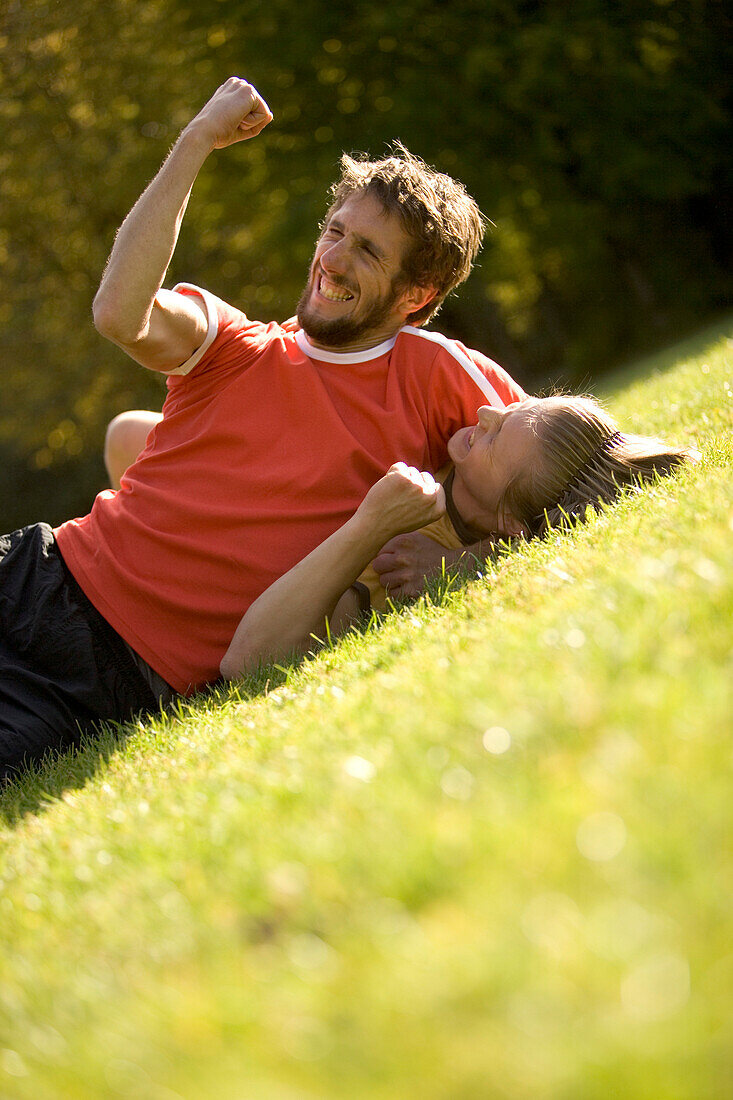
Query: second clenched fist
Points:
[403, 500]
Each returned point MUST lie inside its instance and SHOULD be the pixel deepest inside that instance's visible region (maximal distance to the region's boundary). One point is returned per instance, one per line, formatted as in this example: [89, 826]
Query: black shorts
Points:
[62, 666]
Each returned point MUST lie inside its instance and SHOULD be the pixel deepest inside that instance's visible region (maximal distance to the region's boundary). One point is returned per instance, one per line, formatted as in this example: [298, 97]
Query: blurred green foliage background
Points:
[596, 137]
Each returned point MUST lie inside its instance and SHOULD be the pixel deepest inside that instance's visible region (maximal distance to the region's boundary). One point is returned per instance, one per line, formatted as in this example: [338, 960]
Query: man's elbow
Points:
[107, 321]
[104, 318]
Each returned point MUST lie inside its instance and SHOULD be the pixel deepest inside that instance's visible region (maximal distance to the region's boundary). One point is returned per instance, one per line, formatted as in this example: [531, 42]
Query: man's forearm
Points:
[284, 618]
[145, 244]
[123, 307]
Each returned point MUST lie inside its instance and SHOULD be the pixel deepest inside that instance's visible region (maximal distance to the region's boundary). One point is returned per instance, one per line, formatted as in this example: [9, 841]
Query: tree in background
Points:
[596, 137]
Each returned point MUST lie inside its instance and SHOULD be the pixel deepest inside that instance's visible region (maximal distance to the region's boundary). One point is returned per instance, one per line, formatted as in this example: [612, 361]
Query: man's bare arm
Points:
[159, 329]
[283, 620]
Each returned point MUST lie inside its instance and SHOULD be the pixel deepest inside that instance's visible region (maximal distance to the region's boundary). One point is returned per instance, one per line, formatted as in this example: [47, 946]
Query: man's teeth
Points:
[334, 294]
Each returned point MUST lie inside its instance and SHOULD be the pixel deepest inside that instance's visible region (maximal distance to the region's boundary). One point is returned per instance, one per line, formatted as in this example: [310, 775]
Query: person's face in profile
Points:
[488, 457]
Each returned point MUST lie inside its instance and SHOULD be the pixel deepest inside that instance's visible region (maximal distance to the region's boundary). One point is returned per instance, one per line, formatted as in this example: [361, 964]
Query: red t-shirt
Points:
[266, 447]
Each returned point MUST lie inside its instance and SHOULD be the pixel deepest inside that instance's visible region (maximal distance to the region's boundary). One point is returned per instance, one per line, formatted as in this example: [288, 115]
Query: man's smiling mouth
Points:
[331, 291]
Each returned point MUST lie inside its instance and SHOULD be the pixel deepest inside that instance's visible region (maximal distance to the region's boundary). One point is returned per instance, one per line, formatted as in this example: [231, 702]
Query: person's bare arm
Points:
[157, 328]
[283, 620]
[406, 562]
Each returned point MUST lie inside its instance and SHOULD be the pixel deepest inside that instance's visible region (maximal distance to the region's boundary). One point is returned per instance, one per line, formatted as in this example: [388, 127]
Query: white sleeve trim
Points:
[468, 365]
[213, 319]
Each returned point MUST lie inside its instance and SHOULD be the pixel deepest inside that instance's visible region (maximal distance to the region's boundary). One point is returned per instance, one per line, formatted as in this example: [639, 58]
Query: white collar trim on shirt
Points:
[343, 356]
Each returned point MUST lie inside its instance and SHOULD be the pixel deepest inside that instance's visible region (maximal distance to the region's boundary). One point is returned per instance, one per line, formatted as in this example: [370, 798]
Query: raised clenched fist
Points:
[235, 112]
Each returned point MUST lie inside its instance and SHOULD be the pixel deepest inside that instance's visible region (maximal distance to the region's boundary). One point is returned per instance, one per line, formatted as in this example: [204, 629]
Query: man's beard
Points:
[337, 331]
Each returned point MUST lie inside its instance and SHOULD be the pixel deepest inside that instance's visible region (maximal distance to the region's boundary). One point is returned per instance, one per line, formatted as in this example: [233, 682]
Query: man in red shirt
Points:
[270, 436]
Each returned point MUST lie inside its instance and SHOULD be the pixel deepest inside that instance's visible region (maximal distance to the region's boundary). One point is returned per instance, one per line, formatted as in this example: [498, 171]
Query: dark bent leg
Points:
[61, 664]
[34, 716]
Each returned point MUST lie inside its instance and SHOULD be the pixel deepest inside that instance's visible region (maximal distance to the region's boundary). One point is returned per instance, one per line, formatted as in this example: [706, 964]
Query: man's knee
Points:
[126, 436]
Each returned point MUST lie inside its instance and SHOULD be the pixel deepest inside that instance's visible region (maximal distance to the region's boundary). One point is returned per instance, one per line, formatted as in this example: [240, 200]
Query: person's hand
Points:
[235, 112]
[405, 562]
[404, 499]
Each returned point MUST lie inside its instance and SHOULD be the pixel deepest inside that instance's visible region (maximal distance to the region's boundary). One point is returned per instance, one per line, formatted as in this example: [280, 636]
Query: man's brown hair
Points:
[443, 221]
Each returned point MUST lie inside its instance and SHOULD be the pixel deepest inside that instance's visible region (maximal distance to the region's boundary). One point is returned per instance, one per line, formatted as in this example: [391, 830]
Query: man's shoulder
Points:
[234, 317]
[237, 328]
[496, 384]
[431, 343]
[428, 345]
[233, 341]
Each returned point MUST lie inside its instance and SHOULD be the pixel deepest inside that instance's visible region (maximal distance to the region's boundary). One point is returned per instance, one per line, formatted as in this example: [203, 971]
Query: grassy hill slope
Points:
[481, 850]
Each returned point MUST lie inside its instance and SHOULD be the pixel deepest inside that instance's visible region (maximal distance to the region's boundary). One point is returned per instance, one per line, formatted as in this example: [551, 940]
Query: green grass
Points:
[343, 885]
